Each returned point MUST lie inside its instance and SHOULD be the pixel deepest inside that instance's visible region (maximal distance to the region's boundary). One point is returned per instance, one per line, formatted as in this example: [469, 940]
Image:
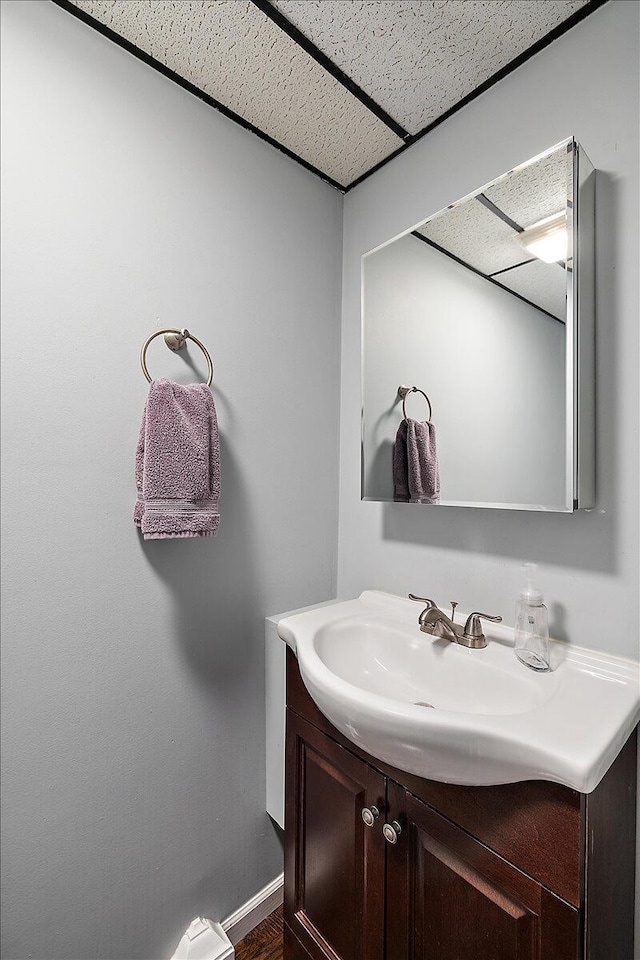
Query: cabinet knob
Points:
[369, 815]
[391, 831]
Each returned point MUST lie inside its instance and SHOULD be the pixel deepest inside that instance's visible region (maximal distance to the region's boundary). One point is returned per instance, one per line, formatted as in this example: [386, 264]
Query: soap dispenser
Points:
[532, 624]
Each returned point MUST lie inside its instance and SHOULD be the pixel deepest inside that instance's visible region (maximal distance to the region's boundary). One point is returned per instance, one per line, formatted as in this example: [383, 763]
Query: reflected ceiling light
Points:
[547, 240]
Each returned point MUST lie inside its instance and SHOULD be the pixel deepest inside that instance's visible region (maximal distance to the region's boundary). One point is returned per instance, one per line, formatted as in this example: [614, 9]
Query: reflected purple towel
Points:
[416, 477]
[178, 463]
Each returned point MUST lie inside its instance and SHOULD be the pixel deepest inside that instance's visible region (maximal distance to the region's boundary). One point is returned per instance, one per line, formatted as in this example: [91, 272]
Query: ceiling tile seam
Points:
[497, 212]
[523, 263]
[309, 47]
[518, 61]
[80, 14]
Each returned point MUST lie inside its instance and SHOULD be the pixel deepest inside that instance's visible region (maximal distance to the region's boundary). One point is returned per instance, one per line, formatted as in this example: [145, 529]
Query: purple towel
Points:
[178, 463]
[416, 478]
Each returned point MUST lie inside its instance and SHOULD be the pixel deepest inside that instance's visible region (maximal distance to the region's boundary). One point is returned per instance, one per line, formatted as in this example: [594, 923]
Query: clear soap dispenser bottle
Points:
[532, 624]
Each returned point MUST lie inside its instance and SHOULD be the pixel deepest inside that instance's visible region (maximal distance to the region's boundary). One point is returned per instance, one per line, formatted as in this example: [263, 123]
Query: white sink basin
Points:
[477, 717]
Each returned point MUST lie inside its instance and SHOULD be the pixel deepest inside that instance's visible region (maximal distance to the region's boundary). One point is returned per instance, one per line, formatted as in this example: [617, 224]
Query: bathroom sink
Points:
[444, 712]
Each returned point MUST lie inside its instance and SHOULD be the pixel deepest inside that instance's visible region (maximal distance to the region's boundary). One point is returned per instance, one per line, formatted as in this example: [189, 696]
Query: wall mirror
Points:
[487, 307]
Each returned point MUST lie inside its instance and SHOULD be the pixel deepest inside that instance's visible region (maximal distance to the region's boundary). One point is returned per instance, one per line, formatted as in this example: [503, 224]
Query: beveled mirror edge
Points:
[482, 505]
[585, 319]
[580, 319]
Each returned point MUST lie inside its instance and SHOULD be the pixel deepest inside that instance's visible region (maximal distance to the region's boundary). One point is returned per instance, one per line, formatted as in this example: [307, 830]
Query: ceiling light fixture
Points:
[547, 239]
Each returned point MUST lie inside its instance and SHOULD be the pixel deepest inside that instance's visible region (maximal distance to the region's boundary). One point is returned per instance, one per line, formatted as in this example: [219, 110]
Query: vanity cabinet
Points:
[524, 871]
[450, 896]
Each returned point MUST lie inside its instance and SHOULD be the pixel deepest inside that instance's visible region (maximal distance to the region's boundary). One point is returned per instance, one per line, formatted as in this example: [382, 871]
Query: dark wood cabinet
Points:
[452, 898]
[334, 881]
[526, 871]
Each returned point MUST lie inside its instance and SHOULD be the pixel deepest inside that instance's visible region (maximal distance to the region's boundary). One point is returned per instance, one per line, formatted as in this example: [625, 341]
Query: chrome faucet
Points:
[435, 622]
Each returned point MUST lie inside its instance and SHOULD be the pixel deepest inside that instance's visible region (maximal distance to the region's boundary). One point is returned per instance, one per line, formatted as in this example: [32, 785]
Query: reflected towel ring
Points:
[403, 391]
[175, 340]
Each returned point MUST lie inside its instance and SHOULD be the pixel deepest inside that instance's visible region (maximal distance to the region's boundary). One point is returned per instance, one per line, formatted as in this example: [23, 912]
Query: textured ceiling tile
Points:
[474, 234]
[418, 58]
[234, 53]
[535, 191]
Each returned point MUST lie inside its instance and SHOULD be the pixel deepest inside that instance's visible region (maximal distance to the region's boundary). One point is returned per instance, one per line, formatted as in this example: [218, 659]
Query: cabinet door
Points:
[449, 897]
[334, 864]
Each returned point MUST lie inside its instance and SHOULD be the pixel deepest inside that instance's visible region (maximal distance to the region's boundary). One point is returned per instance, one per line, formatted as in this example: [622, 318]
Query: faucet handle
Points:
[473, 627]
[429, 603]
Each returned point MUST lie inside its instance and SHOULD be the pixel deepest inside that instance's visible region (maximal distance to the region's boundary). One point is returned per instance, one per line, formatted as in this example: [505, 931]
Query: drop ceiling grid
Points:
[419, 58]
[235, 54]
[475, 235]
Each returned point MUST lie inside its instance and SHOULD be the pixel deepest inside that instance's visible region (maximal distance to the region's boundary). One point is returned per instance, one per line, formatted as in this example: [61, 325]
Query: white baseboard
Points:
[243, 920]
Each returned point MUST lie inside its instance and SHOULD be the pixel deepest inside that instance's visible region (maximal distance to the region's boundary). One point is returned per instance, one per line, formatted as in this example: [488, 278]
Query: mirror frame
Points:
[580, 341]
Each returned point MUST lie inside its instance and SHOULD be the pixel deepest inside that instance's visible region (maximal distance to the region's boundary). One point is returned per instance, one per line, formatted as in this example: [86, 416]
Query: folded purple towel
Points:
[416, 477]
[178, 463]
[401, 465]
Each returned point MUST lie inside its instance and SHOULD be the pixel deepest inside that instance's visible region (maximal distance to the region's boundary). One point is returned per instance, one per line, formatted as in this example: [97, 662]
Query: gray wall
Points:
[492, 366]
[585, 84]
[133, 673]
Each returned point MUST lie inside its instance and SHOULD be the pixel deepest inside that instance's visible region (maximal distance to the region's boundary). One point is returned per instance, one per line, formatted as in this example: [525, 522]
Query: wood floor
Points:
[265, 942]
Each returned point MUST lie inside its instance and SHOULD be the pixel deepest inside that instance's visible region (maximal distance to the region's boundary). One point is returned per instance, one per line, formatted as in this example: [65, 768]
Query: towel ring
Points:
[175, 340]
[404, 391]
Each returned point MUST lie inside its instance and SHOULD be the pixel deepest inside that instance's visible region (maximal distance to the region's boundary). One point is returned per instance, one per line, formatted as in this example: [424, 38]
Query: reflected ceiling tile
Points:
[535, 191]
[474, 234]
[544, 284]
[235, 54]
[417, 59]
